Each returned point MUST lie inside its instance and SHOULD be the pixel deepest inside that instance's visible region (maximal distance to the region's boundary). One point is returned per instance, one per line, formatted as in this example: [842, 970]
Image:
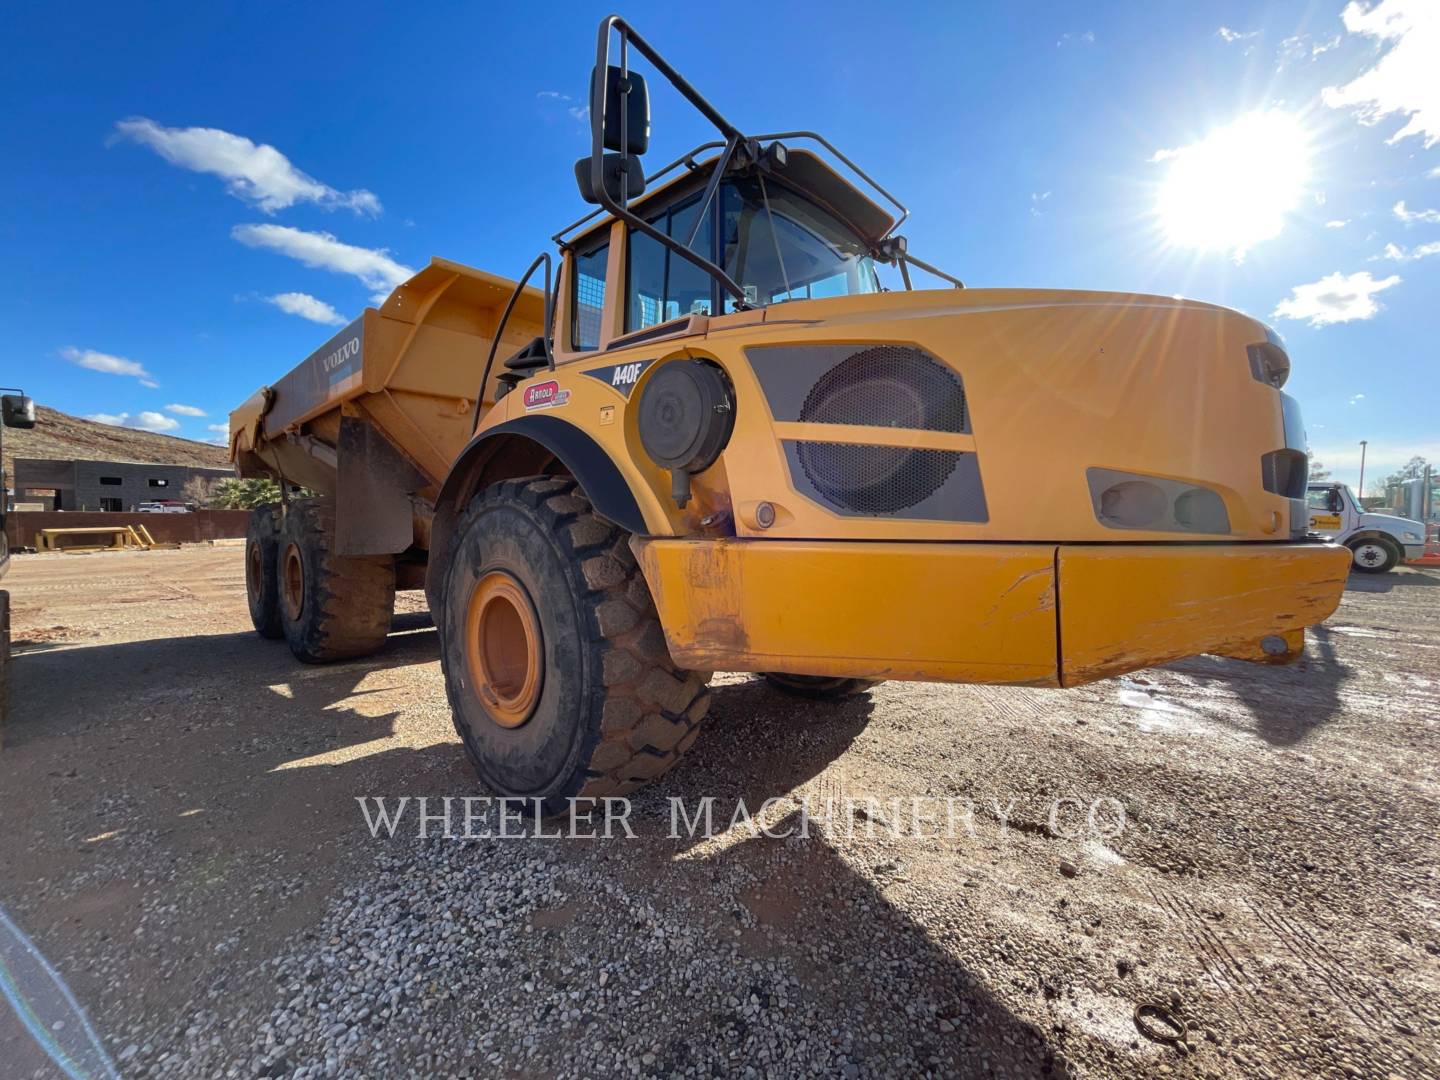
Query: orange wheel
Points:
[292, 581]
[503, 648]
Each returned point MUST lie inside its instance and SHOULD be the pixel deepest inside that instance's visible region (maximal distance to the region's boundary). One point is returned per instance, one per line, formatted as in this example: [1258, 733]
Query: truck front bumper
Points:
[1034, 614]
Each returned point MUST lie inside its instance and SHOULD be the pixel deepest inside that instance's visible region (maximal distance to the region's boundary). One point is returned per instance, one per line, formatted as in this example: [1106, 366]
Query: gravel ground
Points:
[182, 840]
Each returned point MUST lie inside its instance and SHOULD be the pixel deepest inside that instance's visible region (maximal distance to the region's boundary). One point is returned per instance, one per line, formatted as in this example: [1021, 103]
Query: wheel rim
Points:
[502, 648]
[252, 570]
[292, 582]
[1370, 555]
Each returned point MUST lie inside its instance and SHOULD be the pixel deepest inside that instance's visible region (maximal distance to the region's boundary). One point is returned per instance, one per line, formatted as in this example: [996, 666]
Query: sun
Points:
[1234, 188]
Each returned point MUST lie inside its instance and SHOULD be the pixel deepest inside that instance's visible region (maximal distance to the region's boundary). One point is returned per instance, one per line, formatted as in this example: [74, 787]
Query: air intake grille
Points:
[889, 386]
[874, 479]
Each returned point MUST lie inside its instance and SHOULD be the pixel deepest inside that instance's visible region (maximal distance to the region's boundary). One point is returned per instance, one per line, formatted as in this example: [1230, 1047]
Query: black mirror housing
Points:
[17, 411]
[622, 174]
[637, 102]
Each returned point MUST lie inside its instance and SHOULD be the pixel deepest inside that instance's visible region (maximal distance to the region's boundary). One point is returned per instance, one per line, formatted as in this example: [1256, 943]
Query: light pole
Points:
[1360, 494]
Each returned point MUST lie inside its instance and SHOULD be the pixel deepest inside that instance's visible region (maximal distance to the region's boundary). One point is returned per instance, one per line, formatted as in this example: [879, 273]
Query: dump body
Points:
[409, 369]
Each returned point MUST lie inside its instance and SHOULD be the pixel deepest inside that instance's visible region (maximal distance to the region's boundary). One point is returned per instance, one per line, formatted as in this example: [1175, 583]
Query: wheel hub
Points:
[503, 649]
[292, 582]
[1369, 555]
[252, 570]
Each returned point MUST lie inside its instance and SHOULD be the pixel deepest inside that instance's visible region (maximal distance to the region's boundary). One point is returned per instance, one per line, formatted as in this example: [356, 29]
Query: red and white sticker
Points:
[545, 395]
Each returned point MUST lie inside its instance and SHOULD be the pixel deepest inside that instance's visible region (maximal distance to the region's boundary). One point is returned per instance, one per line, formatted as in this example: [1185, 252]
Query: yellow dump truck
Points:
[718, 443]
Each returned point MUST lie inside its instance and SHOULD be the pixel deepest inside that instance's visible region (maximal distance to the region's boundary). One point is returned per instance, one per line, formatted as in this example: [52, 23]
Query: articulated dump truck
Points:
[718, 443]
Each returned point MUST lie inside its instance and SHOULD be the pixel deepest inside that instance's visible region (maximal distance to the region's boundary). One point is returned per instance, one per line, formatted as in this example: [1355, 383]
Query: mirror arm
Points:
[598, 102]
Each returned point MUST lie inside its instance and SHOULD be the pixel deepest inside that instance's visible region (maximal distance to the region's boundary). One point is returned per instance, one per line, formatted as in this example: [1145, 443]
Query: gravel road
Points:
[925, 880]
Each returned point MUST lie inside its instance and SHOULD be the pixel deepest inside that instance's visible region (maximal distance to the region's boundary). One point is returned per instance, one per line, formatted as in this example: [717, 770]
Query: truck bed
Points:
[410, 368]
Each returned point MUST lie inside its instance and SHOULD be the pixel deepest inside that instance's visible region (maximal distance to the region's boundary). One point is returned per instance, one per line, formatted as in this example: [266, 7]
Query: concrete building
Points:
[103, 485]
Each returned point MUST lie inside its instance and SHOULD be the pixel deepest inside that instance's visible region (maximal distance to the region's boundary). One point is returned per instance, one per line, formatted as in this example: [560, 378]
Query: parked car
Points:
[162, 506]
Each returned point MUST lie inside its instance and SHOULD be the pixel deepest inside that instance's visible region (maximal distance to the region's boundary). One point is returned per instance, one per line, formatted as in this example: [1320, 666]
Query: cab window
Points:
[780, 246]
[587, 298]
[1325, 499]
[664, 286]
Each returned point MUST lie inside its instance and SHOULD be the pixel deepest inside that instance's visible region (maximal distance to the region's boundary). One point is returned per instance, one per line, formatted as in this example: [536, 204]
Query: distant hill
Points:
[60, 435]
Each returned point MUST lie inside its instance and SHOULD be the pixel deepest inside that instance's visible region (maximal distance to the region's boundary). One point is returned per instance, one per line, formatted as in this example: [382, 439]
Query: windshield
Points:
[789, 249]
[792, 250]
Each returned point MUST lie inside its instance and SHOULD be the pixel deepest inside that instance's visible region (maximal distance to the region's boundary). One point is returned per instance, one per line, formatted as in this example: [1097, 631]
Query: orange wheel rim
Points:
[252, 570]
[292, 582]
[502, 646]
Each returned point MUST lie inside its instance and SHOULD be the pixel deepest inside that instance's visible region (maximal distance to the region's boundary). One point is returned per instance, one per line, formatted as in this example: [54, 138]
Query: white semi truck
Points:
[1377, 542]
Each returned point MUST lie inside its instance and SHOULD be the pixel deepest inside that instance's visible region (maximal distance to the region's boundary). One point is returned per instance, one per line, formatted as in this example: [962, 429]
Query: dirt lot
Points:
[181, 839]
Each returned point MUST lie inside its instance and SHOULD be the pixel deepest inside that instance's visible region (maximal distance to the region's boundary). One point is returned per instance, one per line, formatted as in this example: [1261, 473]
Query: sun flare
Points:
[1234, 188]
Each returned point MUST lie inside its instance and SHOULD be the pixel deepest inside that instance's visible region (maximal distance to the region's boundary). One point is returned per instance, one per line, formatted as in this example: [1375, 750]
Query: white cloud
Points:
[1400, 254]
[110, 365]
[1430, 217]
[1037, 202]
[1405, 79]
[307, 307]
[1336, 298]
[1337, 223]
[1228, 36]
[142, 421]
[553, 95]
[1086, 37]
[184, 410]
[1356, 398]
[219, 429]
[321, 251]
[258, 174]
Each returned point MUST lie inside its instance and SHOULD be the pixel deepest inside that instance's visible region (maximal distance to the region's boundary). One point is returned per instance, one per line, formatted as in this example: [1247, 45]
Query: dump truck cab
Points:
[715, 440]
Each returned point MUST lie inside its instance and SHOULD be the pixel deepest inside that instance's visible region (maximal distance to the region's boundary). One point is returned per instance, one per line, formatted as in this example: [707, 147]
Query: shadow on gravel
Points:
[1287, 702]
[1408, 577]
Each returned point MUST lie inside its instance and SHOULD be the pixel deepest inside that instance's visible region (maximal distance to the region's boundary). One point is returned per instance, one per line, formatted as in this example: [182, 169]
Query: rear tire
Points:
[332, 607]
[262, 549]
[1373, 555]
[819, 687]
[559, 679]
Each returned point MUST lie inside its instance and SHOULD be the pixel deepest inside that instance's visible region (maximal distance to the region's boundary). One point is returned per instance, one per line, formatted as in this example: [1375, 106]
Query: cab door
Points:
[1326, 510]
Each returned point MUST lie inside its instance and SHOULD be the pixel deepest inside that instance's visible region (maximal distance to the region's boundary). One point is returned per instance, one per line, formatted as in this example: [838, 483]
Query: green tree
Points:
[1413, 469]
[236, 494]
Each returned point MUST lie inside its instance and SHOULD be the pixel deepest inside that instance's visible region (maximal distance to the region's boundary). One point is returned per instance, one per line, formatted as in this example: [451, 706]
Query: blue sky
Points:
[150, 266]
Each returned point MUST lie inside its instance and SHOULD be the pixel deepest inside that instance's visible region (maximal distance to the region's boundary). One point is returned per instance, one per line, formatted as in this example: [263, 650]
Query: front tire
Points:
[332, 607]
[262, 550]
[819, 687]
[559, 679]
[1373, 555]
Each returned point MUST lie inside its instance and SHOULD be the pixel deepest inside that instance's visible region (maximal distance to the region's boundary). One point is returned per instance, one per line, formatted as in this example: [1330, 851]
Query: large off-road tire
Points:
[332, 607]
[819, 687]
[1373, 555]
[556, 667]
[262, 553]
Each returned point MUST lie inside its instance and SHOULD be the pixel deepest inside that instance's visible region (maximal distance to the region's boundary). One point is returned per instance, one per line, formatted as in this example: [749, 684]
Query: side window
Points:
[1324, 499]
[587, 298]
[663, 286]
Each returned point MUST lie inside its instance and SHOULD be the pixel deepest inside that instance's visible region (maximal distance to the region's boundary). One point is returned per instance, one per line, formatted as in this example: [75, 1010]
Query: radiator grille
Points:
[888, 386]
[874, 479]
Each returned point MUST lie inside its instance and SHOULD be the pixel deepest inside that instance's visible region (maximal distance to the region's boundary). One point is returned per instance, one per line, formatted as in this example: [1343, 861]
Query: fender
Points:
[581, 456]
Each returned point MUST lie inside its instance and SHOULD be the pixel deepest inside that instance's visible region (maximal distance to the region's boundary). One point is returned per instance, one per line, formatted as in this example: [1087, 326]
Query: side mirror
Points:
[637, 102]
[621, 172]
[17, 411]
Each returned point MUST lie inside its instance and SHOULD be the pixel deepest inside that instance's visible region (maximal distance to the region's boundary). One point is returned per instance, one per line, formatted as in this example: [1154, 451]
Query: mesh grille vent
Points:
[874, 479]
[889, 386]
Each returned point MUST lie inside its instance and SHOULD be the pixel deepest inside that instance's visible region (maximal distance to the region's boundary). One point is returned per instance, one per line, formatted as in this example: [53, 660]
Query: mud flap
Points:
[373, 511]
